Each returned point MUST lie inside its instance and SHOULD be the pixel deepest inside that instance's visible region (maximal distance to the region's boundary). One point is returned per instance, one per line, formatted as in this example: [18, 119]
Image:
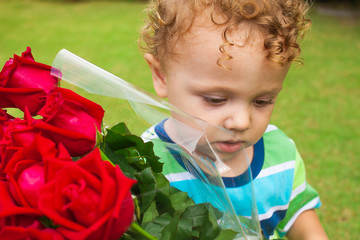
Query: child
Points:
[224, 61]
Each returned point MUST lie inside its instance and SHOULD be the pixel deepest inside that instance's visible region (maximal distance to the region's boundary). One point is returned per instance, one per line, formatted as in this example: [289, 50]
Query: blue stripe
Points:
[268, 225]
[267, 189]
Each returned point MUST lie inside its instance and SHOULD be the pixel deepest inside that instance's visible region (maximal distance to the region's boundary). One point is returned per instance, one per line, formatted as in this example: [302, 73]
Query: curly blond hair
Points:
[282, 24]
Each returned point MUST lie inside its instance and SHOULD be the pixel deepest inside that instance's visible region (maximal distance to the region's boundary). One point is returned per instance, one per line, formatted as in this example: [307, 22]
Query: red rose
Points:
[25, 83]
[16, 134]
[89, 199]
[27, 169]
[13, 228]
[72, 120]
[4, 117]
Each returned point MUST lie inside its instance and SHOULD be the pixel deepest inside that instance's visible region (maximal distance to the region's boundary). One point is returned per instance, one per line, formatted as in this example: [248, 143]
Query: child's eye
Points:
[214, 100]
[263, 102]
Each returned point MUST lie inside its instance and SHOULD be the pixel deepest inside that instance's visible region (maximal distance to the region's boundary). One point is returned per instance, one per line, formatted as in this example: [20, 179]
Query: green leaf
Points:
[121, 129]
[133, 158]
[163, 202]
[120, 160]
[226, 235]
[178, 229]
[209, 230]
[156, 227]
[146, 184]
[119, 141]
[180, 201]
[151, 213]
[151, 158]
[198, 214]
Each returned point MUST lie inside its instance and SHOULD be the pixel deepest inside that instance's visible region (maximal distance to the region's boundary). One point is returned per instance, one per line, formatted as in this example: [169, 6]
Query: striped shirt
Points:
[279, 180]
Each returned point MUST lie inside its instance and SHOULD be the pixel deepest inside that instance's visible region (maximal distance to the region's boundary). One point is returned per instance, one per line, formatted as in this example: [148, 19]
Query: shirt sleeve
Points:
[303, 197]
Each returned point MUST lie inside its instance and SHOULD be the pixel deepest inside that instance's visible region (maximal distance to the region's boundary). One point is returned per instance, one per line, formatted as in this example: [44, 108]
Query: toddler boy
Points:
[225, 61]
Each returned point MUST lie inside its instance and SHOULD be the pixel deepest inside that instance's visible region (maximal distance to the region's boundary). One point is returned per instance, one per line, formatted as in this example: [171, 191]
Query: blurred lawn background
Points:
[318, 108]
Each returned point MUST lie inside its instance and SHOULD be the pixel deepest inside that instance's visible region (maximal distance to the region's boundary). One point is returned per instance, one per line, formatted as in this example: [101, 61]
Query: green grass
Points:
[318, 108]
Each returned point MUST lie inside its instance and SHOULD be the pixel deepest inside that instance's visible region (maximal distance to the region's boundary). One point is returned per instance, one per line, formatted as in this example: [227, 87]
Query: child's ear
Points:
[159, 81]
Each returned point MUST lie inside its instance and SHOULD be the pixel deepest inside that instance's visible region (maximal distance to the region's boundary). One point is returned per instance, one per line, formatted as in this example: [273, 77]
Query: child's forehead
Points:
[201, 49]
[204, 35]
[214, 21]
[205, 26]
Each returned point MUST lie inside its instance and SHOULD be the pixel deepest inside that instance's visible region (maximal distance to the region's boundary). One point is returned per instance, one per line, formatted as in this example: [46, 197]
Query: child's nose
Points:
[239, 119]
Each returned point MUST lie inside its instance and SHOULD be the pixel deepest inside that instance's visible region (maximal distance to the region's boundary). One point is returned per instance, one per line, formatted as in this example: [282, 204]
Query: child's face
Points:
[241, 99]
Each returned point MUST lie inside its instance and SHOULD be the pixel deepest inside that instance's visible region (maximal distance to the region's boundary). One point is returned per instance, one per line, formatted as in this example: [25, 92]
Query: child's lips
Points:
[229, 146]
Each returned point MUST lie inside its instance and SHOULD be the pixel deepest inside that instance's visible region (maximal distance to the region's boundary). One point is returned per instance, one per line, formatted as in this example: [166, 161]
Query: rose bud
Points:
[72, 120]
[25, 83]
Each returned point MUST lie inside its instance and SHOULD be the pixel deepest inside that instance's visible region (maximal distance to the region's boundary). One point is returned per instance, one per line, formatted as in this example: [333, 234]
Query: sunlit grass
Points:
[318, 107]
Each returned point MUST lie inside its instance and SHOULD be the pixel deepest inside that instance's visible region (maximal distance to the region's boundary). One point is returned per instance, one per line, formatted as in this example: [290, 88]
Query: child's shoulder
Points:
[275, 136]
[275, 132]
[278, 147]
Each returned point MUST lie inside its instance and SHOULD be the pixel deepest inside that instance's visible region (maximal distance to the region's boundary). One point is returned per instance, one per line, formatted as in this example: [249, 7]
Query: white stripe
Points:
[270, 128]
[298, 190]
[277, 168]
[271, 211]
[309, 205]
[176, 177]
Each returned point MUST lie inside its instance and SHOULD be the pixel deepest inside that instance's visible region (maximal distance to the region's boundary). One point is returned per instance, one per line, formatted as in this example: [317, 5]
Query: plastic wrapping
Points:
[193, 141]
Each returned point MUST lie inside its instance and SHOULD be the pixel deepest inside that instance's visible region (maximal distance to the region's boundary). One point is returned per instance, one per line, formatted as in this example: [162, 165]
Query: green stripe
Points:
[300, 174]
[278, 148]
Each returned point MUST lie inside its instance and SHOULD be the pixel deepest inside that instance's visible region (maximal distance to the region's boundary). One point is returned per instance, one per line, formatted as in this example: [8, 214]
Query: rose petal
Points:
[30, 181]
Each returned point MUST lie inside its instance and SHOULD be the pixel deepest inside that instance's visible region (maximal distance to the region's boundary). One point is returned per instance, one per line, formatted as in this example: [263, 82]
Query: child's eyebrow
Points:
[206, 88]
[273, 91]
[230, 89]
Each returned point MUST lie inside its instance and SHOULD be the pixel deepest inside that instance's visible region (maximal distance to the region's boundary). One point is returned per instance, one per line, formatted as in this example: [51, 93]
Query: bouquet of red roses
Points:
[64, 177]
[45, 194]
